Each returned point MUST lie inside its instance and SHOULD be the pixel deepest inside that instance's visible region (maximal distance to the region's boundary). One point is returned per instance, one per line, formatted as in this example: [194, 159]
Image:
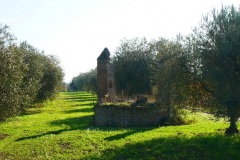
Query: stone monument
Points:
[105, 78]
[115, 114]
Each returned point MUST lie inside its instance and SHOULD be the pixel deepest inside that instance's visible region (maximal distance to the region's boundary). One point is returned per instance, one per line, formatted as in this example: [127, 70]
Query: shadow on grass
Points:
[83, 123]
[3, 136]
[199, 148]
[93, 100]
[90, 99]
[40, 135]
[86, 104]
[79, 97]
[79, 94]
[69, 96]
[75, 123]
[129, 133]
[79, 110]
[31, 112]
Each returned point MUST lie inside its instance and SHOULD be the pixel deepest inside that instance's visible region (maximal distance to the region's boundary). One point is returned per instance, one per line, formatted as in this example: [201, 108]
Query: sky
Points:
[77, 31]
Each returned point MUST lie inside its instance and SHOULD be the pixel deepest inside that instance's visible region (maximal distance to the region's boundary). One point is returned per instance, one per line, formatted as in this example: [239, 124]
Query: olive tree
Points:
[32, 75]
[51, 81]
[217, 47]
[27, 76]
[11, 76]
[172, 69]
[132, 67]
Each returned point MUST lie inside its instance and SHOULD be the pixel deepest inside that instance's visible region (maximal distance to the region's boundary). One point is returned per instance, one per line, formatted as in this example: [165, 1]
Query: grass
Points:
[64, 129]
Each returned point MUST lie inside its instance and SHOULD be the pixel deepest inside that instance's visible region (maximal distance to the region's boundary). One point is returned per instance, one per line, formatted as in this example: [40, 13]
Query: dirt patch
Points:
[3, 155]
[64, 145]
[3, 136]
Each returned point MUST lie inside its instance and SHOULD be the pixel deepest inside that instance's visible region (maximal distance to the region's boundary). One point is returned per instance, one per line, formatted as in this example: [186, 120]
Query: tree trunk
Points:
[233, 126]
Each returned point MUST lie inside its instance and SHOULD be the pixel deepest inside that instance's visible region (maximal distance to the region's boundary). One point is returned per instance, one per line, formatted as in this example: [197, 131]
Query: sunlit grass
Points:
[64, 129]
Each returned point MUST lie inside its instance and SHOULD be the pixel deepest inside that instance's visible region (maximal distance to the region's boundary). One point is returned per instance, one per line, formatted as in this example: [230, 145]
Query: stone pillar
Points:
[105, 78]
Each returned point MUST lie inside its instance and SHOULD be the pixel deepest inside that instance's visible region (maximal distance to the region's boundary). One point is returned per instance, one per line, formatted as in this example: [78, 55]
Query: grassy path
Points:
[64, 129]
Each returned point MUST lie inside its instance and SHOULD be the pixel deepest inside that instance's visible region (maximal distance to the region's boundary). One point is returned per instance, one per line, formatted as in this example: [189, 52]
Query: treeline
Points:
[27, 76]
[201, 69]
[84, 82]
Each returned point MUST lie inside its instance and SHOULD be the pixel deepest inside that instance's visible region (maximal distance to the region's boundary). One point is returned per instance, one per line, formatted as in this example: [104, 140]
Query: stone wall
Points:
[129, 116]
[113, 115]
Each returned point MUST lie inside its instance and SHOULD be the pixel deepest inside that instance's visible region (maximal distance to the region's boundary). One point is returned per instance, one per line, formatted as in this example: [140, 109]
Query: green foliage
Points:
[132, 67]
[10, 83]
[160, 67]
[11, 71]
[51, 81]
[217, 47]
[172, 72]
[84, 82]
[27, 76]
[181, 117]
[202, 69]
[64, 129]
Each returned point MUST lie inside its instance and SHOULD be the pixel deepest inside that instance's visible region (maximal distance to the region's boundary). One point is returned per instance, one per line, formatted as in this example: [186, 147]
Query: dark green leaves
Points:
[26, 76]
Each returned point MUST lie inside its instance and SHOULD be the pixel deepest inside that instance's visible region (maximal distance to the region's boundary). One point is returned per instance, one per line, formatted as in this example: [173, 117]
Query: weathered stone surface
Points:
[105, 55]
[129, 116]
[113, 115]
[141, 99]
[105, 78]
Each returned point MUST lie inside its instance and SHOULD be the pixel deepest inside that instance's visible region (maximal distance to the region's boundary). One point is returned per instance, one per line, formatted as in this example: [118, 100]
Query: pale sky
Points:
[76, 31]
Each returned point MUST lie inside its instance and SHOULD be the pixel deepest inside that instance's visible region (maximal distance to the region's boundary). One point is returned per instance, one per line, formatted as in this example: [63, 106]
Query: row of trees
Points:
[84, 82]
[201, 69]
[27, 76]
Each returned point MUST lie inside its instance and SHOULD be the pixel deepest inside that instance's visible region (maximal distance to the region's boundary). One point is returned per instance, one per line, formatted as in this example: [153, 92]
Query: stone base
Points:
[139, 116]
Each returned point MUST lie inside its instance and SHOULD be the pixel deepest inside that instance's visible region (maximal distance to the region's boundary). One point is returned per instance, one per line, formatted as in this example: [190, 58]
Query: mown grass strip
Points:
[64, 129]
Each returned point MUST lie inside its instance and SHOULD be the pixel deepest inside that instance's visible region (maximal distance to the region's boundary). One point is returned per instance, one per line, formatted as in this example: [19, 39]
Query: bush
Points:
[180, 117]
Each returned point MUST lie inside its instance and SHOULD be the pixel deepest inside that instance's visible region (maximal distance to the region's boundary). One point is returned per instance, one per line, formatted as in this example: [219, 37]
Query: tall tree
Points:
[11, 75]
[51, 82]
[32, 75]
[132, 67]
[26, 76]
[172, 72]
[218, 49]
